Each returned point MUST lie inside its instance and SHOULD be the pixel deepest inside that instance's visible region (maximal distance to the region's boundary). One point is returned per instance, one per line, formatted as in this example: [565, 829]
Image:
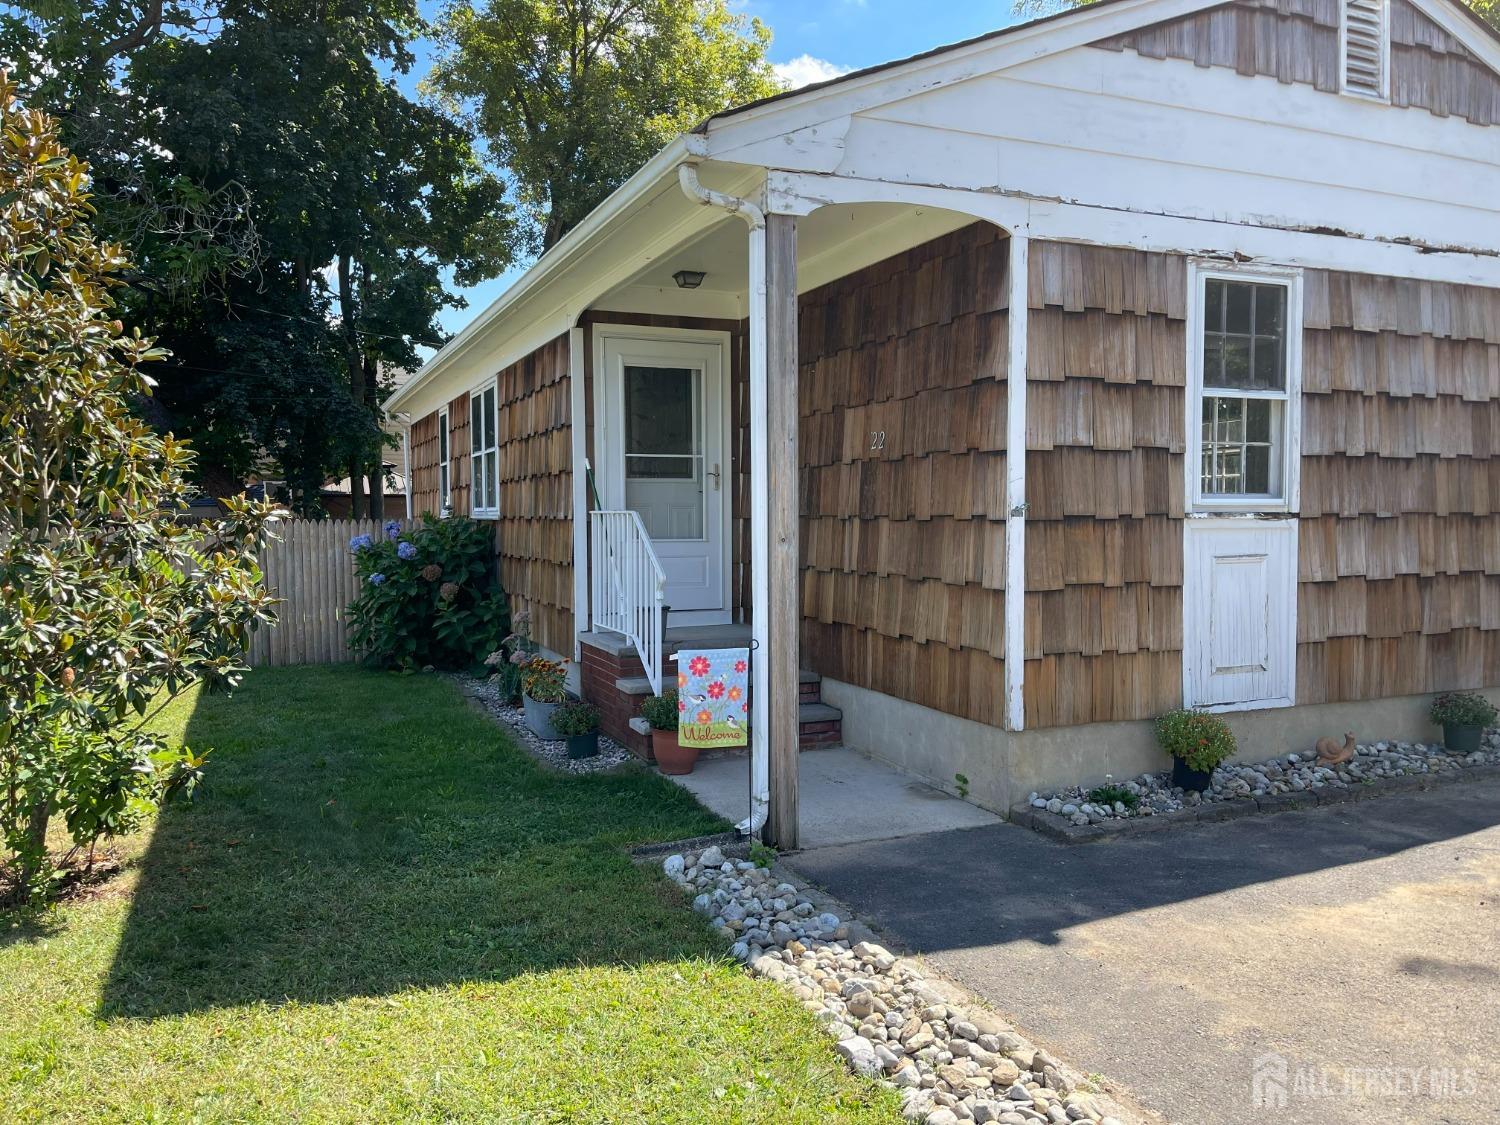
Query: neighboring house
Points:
[1140, 356]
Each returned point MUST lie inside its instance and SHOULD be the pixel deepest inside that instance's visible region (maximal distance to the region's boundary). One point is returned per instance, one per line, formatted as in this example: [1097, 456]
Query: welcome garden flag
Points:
[713, 697]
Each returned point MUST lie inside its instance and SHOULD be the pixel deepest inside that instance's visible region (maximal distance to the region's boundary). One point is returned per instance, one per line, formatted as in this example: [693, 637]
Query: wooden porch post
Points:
[783, 609]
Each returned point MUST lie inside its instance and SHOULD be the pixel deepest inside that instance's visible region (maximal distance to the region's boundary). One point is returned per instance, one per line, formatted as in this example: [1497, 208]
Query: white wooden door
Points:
[664, 440]
[1239, 613]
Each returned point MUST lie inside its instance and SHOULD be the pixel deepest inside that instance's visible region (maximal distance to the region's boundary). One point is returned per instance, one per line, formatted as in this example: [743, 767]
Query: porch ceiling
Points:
[831, 242]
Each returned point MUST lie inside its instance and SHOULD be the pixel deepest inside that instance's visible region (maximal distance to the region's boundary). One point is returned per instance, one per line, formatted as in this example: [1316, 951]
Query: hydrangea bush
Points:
[430, 595]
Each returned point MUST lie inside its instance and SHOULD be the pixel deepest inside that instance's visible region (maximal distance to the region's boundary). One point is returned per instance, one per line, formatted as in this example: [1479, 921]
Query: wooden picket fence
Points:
[310, 570]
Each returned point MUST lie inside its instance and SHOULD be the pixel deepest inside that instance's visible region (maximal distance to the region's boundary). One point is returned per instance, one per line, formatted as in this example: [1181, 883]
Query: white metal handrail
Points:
[628, 586]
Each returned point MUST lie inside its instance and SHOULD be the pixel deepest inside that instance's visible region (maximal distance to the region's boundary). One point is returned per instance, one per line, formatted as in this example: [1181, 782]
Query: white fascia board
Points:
[844, 96]
[575, 243]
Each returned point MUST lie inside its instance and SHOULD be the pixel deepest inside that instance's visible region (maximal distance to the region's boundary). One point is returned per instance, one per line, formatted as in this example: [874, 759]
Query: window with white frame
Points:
[445, 464]
[484, 491]
[1245, 387]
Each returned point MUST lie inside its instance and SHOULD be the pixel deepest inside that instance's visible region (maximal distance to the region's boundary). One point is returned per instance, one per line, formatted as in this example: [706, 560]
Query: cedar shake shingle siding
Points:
[1399, 539]
[902, 448]
[534, 532]
[1106, 355]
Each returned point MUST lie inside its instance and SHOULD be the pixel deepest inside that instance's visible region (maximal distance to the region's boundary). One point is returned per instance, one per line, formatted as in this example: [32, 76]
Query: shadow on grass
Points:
[363, 833]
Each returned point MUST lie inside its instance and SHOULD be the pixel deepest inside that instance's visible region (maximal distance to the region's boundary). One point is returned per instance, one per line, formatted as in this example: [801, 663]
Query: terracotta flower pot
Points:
[671, 756]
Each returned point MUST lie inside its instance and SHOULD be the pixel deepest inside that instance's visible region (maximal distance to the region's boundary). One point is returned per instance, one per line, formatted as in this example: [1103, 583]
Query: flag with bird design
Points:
[713, 697]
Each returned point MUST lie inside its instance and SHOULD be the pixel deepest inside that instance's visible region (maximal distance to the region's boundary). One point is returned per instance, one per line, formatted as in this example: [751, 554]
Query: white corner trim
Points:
[577, 420]
[1015, 483]
[1200, 270]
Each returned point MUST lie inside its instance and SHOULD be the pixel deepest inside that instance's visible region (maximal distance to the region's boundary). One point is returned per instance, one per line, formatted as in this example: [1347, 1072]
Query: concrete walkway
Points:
[1358, 946]
[843, 798]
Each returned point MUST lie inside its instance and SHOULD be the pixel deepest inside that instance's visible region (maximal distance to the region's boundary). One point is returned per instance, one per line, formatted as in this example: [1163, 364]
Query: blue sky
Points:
[813, 40]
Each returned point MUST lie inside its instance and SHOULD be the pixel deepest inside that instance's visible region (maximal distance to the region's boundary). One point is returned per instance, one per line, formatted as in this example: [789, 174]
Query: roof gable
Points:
[1297, 41]
[1420, 29]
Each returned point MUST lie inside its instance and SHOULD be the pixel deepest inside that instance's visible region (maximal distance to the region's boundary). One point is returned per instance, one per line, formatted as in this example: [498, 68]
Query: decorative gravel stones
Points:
[1287, 782]
[553, 754]
[952, 1061]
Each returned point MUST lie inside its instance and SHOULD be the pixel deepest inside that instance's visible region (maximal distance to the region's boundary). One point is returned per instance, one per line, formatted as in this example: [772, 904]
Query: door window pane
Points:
[664, 471]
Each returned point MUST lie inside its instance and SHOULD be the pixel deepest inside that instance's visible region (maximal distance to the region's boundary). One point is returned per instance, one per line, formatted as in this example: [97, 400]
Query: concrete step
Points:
[633, 685]
[818, 713]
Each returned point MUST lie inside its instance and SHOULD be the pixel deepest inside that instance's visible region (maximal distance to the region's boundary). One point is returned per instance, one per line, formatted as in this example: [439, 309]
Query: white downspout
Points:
[760, 547]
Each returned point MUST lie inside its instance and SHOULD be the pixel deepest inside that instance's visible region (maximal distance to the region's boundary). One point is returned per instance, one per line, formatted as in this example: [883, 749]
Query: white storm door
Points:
[1239, 613]
[664, 436]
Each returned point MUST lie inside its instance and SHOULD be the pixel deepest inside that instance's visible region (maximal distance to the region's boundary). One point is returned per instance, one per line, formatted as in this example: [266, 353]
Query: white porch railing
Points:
[628, 586]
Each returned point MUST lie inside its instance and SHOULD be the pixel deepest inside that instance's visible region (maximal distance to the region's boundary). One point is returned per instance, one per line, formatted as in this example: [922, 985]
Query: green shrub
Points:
[572, 719]
[1463, 709]
[1198, 738]
[428, 595]
[662, 711]
[1112, 795]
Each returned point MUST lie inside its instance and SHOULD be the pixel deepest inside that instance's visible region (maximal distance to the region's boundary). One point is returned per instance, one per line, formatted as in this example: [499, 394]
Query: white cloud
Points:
[805, 70]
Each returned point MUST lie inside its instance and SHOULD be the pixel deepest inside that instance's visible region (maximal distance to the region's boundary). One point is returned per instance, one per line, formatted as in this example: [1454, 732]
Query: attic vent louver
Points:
[1365, 48]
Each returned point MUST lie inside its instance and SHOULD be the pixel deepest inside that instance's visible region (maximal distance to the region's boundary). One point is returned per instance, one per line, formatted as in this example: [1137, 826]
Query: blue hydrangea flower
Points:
[392, 528]
[407, 551]
[359, 543]
[376, 579]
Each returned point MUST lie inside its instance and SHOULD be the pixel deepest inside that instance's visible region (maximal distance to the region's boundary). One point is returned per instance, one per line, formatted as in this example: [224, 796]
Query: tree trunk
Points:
[36, 853]
[377, 471]
[355, 361]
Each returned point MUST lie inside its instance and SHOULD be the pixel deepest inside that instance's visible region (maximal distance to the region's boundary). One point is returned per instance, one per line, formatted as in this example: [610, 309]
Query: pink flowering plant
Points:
[429, 595]
[507, 660]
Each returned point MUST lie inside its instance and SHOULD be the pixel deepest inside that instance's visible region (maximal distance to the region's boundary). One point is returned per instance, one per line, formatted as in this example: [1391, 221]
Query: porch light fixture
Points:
[688, 279]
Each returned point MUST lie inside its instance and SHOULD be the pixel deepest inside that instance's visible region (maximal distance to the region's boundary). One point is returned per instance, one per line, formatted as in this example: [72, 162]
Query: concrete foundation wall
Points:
[1003, 768]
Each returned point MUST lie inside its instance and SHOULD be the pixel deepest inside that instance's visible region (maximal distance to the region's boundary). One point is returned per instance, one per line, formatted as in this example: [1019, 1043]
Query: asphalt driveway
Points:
[1342, 960]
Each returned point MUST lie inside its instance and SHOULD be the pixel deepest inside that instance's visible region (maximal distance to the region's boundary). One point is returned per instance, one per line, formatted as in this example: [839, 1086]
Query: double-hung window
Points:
[484, 495]
[445, 465]
[1245, 386]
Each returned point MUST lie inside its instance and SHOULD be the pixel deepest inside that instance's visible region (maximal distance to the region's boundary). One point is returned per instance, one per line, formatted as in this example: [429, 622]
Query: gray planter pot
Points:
[1461, 740]
[539, 718]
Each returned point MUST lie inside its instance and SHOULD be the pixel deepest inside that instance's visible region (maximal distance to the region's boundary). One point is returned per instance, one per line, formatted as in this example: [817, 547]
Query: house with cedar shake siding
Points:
[1008, 395]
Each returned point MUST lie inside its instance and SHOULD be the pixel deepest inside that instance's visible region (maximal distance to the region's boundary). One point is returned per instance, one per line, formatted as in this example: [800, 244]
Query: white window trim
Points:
[445, 468]
[1384, 97]
[476, 458]
[1291, 474]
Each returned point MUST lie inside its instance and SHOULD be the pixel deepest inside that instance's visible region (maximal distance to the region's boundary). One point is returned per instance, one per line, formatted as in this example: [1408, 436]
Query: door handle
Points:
[714, 472]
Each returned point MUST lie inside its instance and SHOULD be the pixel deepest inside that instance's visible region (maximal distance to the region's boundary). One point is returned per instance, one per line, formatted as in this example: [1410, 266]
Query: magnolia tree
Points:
[108, 603]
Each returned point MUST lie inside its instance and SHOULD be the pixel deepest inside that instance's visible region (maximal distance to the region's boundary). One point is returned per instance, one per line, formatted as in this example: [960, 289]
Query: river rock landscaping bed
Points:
[952, 1060]
[1294, 780]
[553, 754]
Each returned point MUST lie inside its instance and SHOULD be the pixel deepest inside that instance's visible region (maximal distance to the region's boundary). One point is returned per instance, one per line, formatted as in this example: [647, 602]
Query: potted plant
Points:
[662, 712]
[1197, 742]
[578, 722]
[1463, 715]
[543, 692]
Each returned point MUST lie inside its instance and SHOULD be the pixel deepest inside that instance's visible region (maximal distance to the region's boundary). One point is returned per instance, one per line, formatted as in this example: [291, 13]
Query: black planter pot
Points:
[583, 745]
[1185, 777]
[1461, 739]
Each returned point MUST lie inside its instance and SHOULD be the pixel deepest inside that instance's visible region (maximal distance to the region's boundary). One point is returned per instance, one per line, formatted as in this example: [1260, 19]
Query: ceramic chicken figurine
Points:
[1330, 753]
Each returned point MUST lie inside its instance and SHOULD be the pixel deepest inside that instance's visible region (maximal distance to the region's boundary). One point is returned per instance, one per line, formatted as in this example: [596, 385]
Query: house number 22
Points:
[877, 439]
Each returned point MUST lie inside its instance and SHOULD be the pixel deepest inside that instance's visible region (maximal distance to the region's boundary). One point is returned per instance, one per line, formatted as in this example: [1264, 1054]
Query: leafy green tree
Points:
[107, 600]
[285, 205]
[1489, 10]
[572, 96]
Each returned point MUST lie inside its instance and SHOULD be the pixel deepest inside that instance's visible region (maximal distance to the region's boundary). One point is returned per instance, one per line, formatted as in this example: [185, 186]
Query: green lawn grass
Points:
[380, 909]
